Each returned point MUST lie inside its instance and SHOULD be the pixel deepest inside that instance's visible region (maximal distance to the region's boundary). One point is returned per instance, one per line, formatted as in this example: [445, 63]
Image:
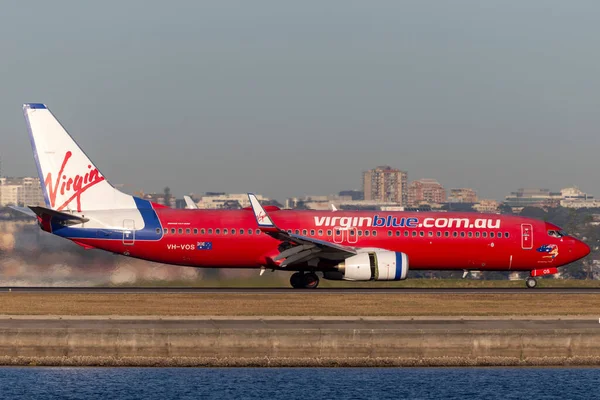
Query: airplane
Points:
[82, 206]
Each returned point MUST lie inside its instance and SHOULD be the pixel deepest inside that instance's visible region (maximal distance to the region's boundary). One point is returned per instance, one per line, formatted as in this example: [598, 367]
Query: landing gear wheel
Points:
[311, 280]
[531, 282]
[296, 280]
[300, 280]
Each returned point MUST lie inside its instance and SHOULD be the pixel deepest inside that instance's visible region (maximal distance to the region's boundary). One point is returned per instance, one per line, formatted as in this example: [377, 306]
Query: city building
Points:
[462, 195]
[574, 198]
[426, 191]
[339, 202]
[487, 206]
[386, 185]
[532, 197]
[227, 201]
[21, 192]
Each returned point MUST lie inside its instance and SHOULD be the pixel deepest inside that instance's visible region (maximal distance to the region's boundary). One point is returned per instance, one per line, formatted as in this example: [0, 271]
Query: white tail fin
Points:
[70, 181]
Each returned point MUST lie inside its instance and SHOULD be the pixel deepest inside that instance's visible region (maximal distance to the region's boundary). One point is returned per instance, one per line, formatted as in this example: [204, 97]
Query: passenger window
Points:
[320, 232]
[188, 231]
[297, 231]
[477, 234]
[506, 235]
[390, 233]
[438, 234]
[233, 231]
[173, 230]
[195, 231]
[430, 234]
[166, 230]
[303, 232]
[242, 232]
[352, 232]
[491, 234]
[405, 233]
[225, 231]
[210, 231]
[374, 233]
[447, 234]
[217, 231]
[312, 232]
[484, 234]
[462, 234]
[249, 231]
[289, 231]
[421, 233]
[397, 233]
[366, 232]
[414, 233]
[470, 234]
[158, 231]
[359, 233]
[180, 231]
[257, 231]
[455, 234]
[328, 232]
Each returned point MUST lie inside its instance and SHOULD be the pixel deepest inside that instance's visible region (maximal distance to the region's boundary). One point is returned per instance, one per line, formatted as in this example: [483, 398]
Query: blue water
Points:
[307, 383]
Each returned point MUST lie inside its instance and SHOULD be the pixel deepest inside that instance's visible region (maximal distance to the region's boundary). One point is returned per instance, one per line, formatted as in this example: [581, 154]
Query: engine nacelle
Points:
[374, 265]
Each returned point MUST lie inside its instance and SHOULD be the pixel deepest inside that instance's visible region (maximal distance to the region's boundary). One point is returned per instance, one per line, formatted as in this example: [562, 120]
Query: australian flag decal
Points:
[204, 245]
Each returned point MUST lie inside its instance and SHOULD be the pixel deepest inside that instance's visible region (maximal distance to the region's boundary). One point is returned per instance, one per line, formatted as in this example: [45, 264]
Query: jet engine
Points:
[379, 265]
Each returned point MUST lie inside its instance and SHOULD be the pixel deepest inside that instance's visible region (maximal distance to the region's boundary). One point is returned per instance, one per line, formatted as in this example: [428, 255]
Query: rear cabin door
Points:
[128, 232]
[527, 236]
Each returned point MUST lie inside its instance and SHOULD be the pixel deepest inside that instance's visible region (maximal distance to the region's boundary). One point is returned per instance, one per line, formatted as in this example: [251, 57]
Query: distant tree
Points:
[505, 209]
[534, 212]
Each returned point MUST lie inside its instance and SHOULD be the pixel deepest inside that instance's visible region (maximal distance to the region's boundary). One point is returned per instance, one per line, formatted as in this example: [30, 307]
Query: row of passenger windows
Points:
[454, 234]
[351, 232]
[209, 231]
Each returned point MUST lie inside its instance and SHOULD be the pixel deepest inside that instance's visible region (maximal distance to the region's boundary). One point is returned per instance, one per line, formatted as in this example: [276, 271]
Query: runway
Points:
[406, 324]
[254, 290]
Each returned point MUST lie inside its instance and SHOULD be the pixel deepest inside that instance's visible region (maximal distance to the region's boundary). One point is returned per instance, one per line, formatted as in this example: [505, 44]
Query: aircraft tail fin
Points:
[70, 181]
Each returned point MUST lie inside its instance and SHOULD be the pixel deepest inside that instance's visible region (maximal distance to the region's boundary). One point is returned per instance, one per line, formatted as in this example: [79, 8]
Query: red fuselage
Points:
[432, 241]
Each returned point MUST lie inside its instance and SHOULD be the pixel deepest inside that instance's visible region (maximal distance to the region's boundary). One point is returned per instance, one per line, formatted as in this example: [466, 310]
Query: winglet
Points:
[189, 203]
[262, 218]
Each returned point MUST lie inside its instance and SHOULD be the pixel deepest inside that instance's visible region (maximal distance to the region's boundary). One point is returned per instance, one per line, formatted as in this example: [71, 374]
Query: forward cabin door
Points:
[128, 232]
[526, 236]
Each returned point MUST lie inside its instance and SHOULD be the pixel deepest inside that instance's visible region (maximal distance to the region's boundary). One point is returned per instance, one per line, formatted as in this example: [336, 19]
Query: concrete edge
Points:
[97, 361]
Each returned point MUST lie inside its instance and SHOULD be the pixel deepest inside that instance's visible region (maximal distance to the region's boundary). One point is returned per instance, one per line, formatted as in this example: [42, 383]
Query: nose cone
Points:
[579, 249]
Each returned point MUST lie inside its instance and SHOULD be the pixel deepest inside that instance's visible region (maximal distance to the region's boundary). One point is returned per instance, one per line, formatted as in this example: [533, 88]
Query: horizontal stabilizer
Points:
[24, 210]
[62, 216]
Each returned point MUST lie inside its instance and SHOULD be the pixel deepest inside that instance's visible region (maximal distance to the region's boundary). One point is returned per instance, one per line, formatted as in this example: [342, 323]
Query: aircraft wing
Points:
[303, 248]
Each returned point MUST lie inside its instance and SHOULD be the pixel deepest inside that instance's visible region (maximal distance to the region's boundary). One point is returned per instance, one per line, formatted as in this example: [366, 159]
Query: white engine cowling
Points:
[375, 265]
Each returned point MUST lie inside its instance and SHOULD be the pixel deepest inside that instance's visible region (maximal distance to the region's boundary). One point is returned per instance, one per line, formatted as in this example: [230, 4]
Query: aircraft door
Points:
[338, 234]
[128, 232]
[527, 236]
[352, 235]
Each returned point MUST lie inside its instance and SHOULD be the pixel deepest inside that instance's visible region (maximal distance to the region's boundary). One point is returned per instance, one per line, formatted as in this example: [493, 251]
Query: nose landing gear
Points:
[300, 280]
[531, 282]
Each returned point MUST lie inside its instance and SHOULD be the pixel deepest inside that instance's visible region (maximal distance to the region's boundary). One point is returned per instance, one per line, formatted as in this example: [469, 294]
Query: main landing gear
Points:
[531, 282]
[300, 280]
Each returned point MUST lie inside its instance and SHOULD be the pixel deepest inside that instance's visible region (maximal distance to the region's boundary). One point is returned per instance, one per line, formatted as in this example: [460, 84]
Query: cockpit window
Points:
[557, 234]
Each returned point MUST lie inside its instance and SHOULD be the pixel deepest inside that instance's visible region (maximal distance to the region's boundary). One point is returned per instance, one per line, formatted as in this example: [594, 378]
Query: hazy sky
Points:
[290, 98]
